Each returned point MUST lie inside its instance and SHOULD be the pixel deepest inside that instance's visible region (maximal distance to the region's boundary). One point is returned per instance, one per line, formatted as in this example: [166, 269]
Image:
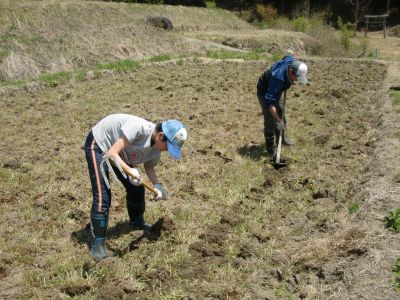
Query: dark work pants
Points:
[101, 194]
[269, 121]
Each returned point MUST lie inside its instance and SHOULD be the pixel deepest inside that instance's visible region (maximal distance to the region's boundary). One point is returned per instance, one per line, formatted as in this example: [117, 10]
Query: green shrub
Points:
[301, 24]
[347, 31]
[393, 220]
[278, 23]
[266, 12]
[211, 4]
[327, 43]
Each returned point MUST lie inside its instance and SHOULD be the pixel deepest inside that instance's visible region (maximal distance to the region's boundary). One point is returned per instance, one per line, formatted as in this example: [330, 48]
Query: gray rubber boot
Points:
[136, 218]
[97, 236]
[270, 145]
[286, 141]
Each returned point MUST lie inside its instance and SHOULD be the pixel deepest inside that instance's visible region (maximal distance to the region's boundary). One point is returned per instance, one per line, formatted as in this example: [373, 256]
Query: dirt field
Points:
[233, 227]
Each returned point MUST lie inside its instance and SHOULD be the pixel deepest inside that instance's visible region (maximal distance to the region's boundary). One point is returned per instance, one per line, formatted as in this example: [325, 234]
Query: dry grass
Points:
[34, 38]
[242, 230]
[275, 220]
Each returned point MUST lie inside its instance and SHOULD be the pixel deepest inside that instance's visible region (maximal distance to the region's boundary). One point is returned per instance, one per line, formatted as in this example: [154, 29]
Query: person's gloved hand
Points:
[280, 125]
[161, 193]
[135, 178]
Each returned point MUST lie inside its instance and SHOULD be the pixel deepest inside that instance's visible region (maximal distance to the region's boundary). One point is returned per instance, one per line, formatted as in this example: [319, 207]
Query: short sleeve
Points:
[132, 131]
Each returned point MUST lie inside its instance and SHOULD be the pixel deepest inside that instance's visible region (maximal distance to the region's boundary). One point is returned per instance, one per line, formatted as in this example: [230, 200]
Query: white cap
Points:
[300, 69]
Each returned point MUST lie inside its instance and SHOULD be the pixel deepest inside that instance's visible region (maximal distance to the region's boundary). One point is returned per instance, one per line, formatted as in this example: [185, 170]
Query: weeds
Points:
[354, 207]
[224, 54]
[396, 271]
[3, 54]
[396, 97]
[347, 31]
[54, 79]
[315, 27]
[161, 57]
[393, 220]
[121, 66]
[211, 4]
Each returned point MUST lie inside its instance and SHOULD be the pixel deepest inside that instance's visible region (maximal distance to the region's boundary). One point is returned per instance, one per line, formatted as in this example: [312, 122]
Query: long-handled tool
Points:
[277, 163]
[144, 183]
[124, 171]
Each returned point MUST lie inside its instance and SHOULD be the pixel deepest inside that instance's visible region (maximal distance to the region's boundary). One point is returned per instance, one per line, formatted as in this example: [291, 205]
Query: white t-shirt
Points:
[136, 130]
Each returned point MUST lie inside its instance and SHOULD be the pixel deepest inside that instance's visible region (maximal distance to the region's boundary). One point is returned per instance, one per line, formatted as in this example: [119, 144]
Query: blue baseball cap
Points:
[176, 134]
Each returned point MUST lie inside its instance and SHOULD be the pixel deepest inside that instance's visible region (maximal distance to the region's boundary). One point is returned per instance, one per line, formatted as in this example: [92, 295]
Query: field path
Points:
[369, 277]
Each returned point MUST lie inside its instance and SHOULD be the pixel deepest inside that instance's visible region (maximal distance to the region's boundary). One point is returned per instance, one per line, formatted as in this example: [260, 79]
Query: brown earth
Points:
[236, 228]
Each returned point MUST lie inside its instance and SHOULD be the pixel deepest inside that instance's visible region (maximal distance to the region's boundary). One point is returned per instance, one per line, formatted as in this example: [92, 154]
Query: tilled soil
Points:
[233, 227]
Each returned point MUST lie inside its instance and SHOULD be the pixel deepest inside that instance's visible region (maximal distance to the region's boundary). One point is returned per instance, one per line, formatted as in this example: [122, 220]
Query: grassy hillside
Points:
[50, 36]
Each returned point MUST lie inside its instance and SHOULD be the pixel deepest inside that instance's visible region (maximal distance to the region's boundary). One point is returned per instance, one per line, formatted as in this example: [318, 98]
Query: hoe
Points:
[107, 159]
[277, 163]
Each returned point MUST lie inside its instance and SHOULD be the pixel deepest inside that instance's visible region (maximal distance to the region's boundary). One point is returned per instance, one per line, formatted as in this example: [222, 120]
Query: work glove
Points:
[161, 193]
[280, 125]
[135, 178]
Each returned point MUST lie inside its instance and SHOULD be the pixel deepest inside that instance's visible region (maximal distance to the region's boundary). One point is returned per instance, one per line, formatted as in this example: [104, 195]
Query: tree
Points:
[359, 8]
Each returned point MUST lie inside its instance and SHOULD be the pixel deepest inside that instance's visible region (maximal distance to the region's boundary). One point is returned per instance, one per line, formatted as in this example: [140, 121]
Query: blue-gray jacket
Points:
[274, 81]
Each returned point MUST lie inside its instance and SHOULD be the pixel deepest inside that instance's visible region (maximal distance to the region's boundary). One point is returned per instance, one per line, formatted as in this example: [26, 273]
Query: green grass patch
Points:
[120, 66]
[393, 220]
[396, 271]
[161, 57]
[224, 54]
[354, 207]
[54, 79]
[20, 82]
[3, 54]
[283, 292]
[395, 96]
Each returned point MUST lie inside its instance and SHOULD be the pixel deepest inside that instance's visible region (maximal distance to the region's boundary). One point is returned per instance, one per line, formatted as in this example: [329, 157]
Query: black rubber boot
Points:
[97, 235]
[136, 219]
[270, 145]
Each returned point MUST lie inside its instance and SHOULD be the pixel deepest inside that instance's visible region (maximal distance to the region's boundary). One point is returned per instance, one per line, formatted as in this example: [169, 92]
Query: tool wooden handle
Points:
[145, 184]
[278, 152]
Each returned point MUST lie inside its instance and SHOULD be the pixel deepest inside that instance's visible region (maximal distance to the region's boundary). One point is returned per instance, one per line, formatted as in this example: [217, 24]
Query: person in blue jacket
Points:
[270, 86]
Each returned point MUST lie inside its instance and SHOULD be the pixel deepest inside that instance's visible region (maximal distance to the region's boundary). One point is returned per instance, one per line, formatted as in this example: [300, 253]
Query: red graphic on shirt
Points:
[136, 157]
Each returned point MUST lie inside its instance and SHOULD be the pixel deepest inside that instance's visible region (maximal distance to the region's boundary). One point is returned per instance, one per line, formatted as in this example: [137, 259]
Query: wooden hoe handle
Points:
[145, 184]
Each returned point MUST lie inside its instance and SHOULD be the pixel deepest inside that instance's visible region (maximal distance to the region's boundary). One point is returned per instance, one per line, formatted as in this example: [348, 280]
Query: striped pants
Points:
[101, 194]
